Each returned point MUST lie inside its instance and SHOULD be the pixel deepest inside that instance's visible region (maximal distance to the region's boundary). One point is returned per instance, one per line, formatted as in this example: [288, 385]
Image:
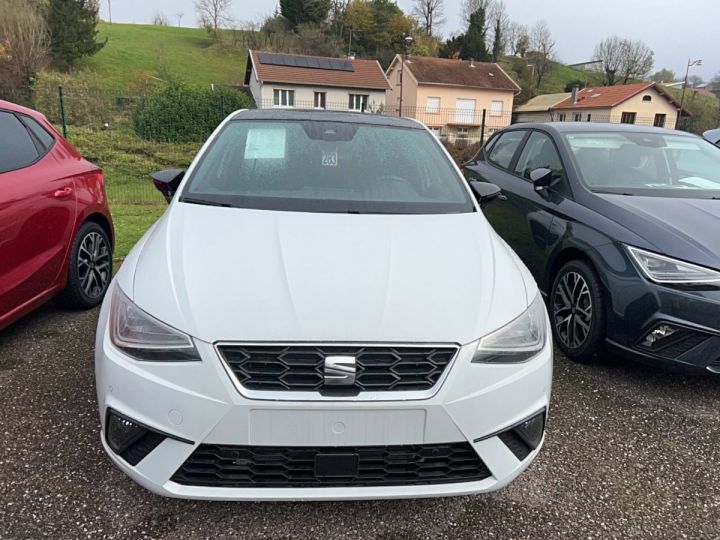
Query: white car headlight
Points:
[517, 341]
[661, 269]
[145, 338]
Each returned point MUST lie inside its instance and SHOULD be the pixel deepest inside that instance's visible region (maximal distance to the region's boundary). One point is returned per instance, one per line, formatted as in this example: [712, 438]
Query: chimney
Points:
[575, 91]
[472, 62]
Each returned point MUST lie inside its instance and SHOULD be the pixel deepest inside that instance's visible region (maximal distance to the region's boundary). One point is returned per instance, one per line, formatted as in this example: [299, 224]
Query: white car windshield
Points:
[327, 166]
[647, 163]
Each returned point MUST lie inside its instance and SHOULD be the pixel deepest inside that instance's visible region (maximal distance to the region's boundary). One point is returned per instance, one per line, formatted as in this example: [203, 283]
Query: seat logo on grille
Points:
[339, 370]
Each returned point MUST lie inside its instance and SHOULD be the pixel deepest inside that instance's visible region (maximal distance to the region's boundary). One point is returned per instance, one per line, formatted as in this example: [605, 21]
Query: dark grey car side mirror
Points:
[542, 178]
[167, 181]
[486, 192]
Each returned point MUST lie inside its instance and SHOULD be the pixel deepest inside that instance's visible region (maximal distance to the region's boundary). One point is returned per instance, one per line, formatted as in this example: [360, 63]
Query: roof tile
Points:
[484, 75]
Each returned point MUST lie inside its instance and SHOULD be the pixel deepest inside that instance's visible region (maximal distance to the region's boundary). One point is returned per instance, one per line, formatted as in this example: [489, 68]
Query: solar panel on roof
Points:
[333, 64]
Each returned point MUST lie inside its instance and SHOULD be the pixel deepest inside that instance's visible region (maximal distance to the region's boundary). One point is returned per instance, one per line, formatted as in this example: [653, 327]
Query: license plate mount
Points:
[336, 465]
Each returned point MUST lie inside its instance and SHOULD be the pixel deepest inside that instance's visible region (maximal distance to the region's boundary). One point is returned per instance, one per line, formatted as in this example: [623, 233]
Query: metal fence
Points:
[100, 125]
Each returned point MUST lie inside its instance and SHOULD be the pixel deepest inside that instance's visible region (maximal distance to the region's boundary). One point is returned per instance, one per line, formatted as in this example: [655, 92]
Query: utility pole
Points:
[407, 40]
[690, 64]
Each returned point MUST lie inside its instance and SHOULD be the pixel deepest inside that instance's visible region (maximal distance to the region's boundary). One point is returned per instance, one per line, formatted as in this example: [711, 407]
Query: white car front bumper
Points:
[197, 403]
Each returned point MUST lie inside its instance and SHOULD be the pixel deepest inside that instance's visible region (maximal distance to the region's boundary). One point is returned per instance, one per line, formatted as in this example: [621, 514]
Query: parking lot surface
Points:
[631, 452]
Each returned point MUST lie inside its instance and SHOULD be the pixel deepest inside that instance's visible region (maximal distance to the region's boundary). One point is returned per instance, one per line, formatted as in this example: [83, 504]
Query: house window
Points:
[660, 120]
[589, 117]
[628, 118]
[358, 102]
[647, 98]
[320, 100]
[283, 98]
[433, 105]
[496, 108]
[577, 117]
[561, 118]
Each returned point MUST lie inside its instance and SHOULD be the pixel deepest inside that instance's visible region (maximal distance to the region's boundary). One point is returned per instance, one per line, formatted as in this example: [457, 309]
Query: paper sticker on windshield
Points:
[330, 159]
[265, 144]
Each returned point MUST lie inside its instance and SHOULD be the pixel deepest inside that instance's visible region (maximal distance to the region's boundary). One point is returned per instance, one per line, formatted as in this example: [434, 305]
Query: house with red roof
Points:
[646, 103]
[450, 95]
[315, 82]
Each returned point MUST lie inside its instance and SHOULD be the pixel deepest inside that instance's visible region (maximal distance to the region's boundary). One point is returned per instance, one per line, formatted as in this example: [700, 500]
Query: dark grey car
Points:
[620, 226]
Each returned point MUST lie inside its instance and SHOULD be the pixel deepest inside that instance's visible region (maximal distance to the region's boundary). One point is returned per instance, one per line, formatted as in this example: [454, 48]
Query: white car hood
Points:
[229, 274]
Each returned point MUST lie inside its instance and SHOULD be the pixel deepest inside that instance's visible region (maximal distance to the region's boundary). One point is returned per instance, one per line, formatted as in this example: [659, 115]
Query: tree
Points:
[695, 80]
[23, 40]
[610, 52]
[360, 16]
[663, 75]
[542, 46]
[430, 14]
[160, 19]
[305, 11]
[498, 47]
[637, 60]
[213, 15]
[474, 41]
[498, 27]
[468, 7]
[516, 38]
[623, 59]
[72, 26]
[714, 84]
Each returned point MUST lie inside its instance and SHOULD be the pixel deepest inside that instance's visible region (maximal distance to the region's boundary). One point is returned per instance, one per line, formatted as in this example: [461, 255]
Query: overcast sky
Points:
[675, 30]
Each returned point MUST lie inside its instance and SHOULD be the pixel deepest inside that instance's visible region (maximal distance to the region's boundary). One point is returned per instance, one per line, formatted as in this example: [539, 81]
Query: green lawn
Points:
[131, 221]
[136, 53]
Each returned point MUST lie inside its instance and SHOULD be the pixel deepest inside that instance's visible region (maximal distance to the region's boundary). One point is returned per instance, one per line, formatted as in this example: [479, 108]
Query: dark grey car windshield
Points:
[324, 166]
[649, 164]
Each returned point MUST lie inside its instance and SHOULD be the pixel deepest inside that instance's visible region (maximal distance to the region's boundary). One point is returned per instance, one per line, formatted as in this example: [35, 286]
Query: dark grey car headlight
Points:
[666, 270]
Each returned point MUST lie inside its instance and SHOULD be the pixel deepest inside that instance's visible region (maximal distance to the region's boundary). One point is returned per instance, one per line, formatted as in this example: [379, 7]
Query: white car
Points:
[323, 312]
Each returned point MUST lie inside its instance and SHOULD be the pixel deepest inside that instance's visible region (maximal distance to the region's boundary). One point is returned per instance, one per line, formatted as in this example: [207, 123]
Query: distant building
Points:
[595, 66]
[449, 95]
[643, 103]
[315, 82]
[539, 106]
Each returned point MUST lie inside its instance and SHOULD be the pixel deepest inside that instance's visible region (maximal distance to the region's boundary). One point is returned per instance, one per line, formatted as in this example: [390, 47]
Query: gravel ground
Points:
[631, 452]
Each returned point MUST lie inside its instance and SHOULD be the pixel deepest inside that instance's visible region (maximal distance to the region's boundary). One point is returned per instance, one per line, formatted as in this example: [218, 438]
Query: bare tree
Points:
[23, 39]
[213, 15]
[498, 28]
[542, 46]
[623, 58]
[430, 14]
[610, 52]
[160, 19]
[695, 80]
[515, 37]
[638, 60]
[468, 7]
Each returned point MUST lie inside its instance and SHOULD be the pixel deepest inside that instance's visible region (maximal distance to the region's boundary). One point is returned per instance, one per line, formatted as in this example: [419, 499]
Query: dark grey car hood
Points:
[688, 229]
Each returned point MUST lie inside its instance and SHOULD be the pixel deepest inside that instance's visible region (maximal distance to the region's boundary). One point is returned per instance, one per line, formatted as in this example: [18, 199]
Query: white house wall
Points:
[336, 99]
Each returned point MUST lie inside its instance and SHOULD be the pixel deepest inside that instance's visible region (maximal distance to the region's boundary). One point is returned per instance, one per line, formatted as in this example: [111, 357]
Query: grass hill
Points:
[137, 52]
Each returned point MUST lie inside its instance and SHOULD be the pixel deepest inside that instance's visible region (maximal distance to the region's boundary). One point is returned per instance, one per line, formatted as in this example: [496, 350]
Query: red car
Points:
[56, 233]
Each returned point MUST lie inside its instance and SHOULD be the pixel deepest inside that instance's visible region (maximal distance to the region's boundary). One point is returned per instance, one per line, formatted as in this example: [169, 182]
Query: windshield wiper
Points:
[204, 202]
[612, 192]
